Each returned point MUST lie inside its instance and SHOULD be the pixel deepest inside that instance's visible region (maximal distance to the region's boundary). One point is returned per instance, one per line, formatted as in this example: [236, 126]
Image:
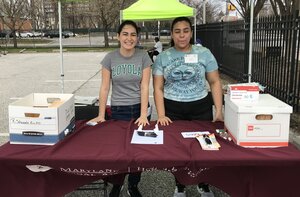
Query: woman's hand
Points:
[98, 119]
[164, 120]
[218, 117]
[142, 121]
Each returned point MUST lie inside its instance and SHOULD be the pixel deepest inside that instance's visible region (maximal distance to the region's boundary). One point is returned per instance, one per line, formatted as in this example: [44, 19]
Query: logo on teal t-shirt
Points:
[184, 80]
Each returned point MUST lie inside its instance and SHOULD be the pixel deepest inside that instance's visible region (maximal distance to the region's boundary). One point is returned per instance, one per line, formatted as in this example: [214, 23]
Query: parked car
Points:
[163, 32]
[55, 34]
[37, 34]
[26, 34]
[70, 33]
[5, 33]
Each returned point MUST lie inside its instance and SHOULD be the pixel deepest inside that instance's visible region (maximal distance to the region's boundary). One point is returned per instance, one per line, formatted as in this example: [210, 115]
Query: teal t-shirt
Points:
[184, 73]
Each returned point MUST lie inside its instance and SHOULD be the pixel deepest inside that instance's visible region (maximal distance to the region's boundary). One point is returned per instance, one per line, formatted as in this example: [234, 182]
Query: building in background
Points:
[231, 13]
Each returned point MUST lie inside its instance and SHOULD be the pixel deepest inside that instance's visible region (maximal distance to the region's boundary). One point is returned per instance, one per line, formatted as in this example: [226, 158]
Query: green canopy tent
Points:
[144, 10]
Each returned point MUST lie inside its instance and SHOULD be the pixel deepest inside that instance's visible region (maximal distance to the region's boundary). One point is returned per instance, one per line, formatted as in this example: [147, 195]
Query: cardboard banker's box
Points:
[263, 123]
[41, 118]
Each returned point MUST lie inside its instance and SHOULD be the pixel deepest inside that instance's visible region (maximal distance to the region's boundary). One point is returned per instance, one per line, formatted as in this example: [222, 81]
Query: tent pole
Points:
[60, 48]
[204, 11]
[121, 16]
[250, 40]
[158, 29]
[195, 29]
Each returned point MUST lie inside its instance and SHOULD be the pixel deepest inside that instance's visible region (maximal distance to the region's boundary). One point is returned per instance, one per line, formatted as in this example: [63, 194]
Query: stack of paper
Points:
[141, 136]
[208, 142]
[243, 91]
[85, 100]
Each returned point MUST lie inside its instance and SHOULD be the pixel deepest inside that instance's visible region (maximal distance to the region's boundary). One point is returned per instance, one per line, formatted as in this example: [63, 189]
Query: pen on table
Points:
[206, 139]
[140, 128]
[155, 129]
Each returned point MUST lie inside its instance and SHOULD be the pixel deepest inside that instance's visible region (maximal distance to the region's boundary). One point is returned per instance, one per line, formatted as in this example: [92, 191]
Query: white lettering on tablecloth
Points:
[191, 173]
[195, 173]
[107, 172]
[89, 172]
[142, 169]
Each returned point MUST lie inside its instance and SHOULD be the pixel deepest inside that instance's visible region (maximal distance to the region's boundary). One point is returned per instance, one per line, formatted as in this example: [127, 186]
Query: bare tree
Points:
[284, 7]
[53, 6]
[109, 12]
[244, 6]
[212, 10]
[37, 14]
[280, 7]
[14, 13]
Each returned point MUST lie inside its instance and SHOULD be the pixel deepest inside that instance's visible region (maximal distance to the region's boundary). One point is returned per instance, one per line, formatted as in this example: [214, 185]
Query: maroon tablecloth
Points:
[91, 153]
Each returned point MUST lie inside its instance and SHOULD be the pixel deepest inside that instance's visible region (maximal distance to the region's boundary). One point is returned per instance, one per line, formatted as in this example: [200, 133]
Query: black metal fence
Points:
[275, 60]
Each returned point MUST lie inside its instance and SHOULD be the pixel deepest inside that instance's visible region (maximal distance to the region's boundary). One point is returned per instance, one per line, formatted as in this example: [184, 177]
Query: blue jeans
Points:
[126, 112]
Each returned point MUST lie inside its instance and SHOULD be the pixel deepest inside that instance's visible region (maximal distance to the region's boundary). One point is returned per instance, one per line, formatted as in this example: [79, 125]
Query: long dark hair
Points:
[128, 22]
[179, 19]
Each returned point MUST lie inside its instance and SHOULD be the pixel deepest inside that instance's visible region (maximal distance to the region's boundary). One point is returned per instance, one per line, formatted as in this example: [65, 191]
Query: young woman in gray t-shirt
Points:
[128, 70]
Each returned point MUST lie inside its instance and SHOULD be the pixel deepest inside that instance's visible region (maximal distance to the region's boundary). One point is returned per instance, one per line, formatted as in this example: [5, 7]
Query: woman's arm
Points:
[217, 93]
[142, 120]
[103, 94]
[158, 85]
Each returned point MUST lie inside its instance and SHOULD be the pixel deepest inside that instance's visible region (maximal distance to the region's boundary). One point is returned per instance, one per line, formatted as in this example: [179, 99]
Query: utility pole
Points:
[204, 11]
[250, 41]
[73, 18]
[60, 48]
[227, 11]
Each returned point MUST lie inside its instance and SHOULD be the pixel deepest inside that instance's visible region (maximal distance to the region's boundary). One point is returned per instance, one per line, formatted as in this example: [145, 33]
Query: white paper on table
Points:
[193, 134]
[159, 139]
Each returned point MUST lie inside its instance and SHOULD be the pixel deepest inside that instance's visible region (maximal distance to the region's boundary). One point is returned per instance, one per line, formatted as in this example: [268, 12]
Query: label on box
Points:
[244, 92]
[29, 123]
[263, 130]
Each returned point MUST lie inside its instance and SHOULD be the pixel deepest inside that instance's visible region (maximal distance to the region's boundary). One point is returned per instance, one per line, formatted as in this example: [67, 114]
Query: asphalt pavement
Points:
[22, 74]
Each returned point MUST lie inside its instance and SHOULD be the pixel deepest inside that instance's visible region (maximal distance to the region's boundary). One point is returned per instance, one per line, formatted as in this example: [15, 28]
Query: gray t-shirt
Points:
[126, 74]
